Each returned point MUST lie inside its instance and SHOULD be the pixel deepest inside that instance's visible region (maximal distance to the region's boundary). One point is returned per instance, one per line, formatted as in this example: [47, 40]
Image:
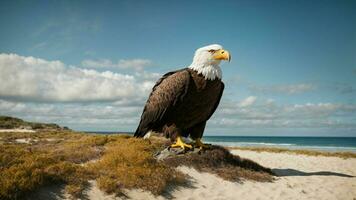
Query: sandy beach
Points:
[17, 130]
[300, 177]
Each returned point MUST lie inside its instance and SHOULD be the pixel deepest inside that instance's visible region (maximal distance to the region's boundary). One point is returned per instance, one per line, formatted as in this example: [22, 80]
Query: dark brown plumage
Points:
[180, 104]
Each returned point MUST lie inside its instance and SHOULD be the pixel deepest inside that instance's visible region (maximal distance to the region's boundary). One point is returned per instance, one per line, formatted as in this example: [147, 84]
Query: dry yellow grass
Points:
[24, 171]
[344, 155]
[26, 167]
[121, 162]
[63, 157]
[129, 163]
[56, 156]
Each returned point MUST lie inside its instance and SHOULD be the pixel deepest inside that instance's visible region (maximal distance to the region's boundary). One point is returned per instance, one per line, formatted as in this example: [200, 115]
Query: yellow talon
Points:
[200, 144]
[181, 144]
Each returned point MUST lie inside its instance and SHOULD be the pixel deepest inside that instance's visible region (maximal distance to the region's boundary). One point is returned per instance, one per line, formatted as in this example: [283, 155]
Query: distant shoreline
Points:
[326, 144]
[323, 144]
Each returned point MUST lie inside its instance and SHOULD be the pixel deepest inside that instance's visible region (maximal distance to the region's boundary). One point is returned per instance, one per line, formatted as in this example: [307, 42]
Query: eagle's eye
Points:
[212, 51]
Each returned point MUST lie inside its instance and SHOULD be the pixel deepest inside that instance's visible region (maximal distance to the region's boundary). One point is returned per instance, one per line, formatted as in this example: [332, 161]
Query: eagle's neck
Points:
[210, 71]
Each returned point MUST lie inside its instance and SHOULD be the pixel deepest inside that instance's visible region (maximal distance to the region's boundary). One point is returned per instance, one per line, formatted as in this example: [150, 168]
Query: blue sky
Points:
[293, 69]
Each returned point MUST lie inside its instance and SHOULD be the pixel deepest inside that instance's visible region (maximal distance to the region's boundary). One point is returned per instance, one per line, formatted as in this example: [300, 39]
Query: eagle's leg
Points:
[200, 144]
[181, 144]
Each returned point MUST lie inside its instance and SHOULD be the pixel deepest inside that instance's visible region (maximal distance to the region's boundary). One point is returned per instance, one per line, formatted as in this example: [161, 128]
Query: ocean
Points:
[312, 143]
[331, 144]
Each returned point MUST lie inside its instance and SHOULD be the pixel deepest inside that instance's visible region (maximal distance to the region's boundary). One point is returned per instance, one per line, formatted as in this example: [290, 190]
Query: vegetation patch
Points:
[129, 163]
[30, 170]
[7, 122]
[220, 161]
[117, 162]
[26, 167]
[65, 157]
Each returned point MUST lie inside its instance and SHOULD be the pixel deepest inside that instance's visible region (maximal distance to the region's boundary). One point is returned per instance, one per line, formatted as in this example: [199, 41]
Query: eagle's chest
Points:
[202, 95]
[199, 101]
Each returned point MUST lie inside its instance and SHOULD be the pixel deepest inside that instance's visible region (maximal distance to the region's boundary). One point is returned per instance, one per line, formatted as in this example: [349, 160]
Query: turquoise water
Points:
[313, 143]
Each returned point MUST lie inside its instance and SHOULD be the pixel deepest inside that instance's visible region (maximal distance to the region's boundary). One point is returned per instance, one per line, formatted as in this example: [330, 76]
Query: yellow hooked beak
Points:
[222, 55]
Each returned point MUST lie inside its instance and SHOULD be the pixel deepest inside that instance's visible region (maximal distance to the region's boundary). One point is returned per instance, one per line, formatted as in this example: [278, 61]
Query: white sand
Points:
[23, 140]
[16, 130]
[303, 177]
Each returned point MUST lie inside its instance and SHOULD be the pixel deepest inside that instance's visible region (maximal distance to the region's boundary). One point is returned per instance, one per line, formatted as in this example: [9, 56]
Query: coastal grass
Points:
[128, 163]
[344, 155]
[7, 122]
[31, 161]
[49, 158]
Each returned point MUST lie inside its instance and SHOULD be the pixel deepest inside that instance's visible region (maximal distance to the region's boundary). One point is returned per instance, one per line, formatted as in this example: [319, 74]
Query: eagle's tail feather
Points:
[140, 132]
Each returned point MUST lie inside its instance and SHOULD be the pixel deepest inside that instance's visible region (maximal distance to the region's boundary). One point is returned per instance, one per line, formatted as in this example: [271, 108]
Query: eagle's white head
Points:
[207, 59]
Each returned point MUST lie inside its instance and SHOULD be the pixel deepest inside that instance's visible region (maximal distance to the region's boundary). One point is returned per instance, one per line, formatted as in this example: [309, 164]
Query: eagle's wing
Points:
[217, 101]
[167, 92]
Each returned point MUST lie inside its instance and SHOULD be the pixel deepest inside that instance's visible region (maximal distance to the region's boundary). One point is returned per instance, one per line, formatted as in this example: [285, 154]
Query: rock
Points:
[170, 152]
[25, 127]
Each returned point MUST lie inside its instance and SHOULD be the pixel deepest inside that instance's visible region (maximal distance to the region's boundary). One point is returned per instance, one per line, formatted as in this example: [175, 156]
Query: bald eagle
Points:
[182, 101]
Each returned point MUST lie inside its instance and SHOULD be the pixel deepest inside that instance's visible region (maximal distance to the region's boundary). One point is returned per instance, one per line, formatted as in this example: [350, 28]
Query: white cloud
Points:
[35, 79]
[311, 110]
[103, 116]
[268, 114]
[50, 91]
[283, 89]
[247, 102]
[135, 64]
